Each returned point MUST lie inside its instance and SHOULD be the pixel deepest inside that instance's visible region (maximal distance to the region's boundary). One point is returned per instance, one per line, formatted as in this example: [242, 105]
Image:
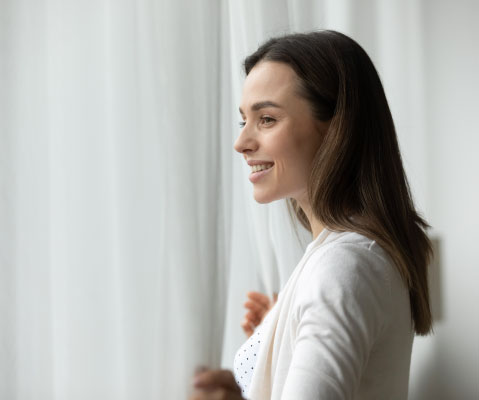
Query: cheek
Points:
[298, 155]
[293, 150]
[306, 149]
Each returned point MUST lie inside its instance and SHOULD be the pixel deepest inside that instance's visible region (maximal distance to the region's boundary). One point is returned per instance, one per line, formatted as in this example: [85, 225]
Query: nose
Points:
[245, 142]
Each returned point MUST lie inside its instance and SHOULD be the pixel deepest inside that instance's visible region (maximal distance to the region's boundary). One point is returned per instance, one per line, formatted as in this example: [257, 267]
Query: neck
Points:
[316, 225]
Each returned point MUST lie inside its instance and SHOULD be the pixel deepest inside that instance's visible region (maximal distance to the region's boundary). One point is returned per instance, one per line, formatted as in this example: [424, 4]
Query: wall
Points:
[446, 365]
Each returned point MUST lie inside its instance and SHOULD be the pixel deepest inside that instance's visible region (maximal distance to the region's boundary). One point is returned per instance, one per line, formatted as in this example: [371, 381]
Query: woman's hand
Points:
[219, 384]
[259, 305]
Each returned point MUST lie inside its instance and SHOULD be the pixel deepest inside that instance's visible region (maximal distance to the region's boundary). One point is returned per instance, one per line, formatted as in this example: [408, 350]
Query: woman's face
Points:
[279, 131]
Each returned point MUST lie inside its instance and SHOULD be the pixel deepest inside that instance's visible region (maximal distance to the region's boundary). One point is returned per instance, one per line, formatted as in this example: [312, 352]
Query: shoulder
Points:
[347, 267]
[346, 255]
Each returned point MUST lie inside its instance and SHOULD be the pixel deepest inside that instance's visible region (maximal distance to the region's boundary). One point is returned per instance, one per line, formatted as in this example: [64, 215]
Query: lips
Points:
[256, 176]
[259, 162]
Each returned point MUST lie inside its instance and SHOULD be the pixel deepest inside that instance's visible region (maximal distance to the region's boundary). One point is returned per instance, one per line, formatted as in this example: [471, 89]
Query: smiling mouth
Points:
[260, 173]
[261, 167]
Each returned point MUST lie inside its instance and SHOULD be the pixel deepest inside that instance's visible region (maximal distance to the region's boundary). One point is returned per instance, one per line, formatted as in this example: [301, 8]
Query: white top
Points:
[341, 328]
[245, 358]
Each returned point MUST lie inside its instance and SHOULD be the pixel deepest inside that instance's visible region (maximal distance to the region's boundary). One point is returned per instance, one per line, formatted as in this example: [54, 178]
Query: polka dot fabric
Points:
[245, 358]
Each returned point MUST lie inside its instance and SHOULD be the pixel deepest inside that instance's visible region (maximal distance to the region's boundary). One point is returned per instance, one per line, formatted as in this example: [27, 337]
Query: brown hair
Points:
[357, 171]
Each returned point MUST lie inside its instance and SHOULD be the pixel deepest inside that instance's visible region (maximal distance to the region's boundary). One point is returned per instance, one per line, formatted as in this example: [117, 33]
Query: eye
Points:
[267, 120]
[242, 124]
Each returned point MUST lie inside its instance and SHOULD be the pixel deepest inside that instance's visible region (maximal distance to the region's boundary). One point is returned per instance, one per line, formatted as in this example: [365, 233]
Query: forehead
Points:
[269, 80]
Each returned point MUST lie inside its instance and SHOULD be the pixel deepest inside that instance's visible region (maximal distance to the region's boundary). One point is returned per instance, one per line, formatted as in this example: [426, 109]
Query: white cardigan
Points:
[341, 328]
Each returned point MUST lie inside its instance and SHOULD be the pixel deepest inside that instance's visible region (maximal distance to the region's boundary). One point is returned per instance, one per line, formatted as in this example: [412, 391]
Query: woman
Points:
[317, 131]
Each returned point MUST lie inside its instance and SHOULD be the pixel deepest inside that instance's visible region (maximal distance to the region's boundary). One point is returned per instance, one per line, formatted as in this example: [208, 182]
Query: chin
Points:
[261, 201]
[264, 198]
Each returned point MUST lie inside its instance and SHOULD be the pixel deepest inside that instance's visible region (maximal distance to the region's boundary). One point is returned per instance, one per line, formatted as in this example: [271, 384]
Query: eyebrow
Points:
[262, 104]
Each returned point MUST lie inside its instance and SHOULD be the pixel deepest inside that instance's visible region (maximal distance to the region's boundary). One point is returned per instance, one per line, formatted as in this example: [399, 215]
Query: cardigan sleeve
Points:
[340, 311]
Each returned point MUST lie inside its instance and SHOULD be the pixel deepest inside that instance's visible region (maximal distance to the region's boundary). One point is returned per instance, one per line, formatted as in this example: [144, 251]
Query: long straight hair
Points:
[357, 181]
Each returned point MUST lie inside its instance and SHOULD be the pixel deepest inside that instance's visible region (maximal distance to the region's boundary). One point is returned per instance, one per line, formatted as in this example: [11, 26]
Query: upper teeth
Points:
[256, 168]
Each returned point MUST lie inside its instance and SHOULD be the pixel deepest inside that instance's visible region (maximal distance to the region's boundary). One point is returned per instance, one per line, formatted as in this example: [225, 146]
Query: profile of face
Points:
[279, 130]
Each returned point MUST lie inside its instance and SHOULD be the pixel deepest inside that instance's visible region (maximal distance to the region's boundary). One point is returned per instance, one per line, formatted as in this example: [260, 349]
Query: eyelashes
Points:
[266, 120]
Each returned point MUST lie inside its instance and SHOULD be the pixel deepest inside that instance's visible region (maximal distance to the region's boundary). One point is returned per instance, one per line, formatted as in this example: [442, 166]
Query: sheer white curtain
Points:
[113, 223]
[128, 231]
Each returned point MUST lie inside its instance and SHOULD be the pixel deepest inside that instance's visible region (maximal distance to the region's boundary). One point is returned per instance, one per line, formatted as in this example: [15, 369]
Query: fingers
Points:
[200, 368]
[259, 298]
[248, 327]
[222, 378]
[255, 318]
[259, 305]
[252, 320]
[256, 308]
